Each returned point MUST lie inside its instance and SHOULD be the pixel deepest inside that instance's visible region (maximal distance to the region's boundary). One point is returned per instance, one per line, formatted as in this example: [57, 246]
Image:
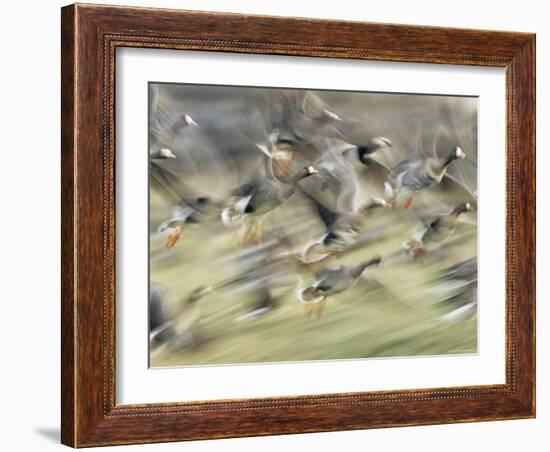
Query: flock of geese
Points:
[295, 150]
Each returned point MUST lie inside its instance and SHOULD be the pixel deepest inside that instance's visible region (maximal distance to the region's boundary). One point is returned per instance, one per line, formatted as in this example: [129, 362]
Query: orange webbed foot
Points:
[173, 238]
[408, 203]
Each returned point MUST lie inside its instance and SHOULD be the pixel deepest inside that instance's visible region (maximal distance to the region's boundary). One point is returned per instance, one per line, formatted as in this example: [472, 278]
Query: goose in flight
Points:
[162, 154]
[459, 284]
[330, 281]
[342, 229]
[189, 208]
[338, 182]
[178, 330]
[436, 230]
[260, 195]
[411, 176]
[298, 123]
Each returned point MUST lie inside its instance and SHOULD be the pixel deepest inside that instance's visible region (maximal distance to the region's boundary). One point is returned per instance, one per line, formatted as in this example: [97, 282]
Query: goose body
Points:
[342, 229]
[258, 197]
[264, 194]
[411, 176]
[459, 284]
[443, 226]
[332, 281]
[437, 230]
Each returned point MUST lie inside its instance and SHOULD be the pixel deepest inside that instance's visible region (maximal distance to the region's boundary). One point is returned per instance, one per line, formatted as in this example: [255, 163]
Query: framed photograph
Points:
[281, 225]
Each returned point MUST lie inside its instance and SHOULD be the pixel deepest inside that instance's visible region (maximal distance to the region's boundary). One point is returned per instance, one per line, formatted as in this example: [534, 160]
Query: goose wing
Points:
[450, 191]
[336, 185]
[166, 119]
[170, 186]
[373, 177]
[327, 216]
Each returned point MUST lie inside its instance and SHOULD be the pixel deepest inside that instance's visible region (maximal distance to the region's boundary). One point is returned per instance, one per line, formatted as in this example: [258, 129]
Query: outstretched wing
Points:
[373, 176]
[450, 191]
[336, 186]
[170, 186]
[327, 216]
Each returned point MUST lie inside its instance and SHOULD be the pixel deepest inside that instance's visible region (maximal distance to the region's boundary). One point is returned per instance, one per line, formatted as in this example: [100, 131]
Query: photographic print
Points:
[300, 225]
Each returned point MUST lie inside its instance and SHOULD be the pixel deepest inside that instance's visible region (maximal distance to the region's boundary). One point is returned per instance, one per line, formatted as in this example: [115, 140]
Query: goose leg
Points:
[419, 251]
[320, 308]
[391, 194]
[408, 203]
[174, 237]
[240, 234]
[308, 295]
[255, 232]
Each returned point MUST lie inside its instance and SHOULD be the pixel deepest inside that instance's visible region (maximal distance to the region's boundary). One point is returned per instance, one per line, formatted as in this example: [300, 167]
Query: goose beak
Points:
[460, 153]
[311, 170]
[386, 142]
[189, 121]
[332, 115]
[167, 153]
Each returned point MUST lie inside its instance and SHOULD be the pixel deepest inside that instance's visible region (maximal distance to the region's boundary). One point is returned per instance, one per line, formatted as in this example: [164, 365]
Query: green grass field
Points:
[400, 319]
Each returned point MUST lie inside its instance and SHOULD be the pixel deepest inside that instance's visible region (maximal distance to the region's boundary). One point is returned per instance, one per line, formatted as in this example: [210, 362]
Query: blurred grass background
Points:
[362, 322]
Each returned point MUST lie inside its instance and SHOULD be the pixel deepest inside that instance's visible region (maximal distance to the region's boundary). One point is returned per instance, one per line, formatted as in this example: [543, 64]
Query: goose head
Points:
[439, 166]
[331, 115]
[373, 203]
[310, 295]
[463, 208]
[380, 142]
[306, 171]
[189, 121]
[456, 154]
[163, 154]
[459, 153]
[358, 270]
[374, 145]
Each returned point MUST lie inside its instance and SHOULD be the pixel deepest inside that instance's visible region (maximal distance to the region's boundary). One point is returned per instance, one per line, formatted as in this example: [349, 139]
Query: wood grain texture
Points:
[90, 36]
[67, 226]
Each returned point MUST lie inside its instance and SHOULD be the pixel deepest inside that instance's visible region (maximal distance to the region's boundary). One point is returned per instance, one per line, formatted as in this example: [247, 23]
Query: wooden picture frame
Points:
[90, 35]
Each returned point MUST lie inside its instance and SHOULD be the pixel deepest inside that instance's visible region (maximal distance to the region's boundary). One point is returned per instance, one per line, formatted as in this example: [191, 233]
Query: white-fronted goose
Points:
[189, 208]
[259, 196]
[436, 230]
[331, 281]
[410, 176]
[342, 229]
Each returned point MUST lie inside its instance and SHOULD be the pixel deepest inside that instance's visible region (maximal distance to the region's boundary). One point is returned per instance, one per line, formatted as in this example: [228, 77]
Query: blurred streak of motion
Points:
[292, 225]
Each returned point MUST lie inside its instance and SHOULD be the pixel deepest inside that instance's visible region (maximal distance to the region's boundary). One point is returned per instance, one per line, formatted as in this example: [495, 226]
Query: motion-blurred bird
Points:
[342, 229]
[411, 176]
[162, 154]
[179, 330]
[188, 209]
[259, 196]
[436, 230]
[458, 284]
[331, 281]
